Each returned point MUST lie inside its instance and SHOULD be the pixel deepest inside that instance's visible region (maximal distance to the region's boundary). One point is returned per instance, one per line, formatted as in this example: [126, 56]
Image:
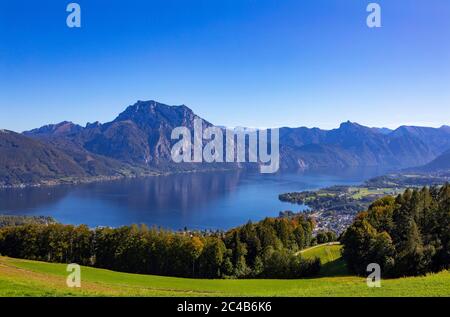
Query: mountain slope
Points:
[24, 161]
[30, 161]
[435, 139]
[440, 164]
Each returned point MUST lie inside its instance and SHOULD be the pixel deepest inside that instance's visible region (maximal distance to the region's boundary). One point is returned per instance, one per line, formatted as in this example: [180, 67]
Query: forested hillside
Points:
[264, 249]
[407, 235]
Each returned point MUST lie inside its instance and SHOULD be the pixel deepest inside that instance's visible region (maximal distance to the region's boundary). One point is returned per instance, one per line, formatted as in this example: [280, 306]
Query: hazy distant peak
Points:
[349, 127]
[64, 127]
[349, 124]
[383, 130]
[445, 128]
[416, 130]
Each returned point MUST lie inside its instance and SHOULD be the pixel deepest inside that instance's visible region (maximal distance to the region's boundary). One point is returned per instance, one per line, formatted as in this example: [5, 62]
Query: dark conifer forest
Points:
[407, 235]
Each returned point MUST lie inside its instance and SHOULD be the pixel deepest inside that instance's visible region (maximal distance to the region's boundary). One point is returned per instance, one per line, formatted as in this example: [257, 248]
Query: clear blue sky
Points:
[258, 63]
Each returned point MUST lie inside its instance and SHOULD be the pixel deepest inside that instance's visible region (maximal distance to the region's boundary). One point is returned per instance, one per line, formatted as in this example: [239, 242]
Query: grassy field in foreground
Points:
[31, 278]
[330, 258]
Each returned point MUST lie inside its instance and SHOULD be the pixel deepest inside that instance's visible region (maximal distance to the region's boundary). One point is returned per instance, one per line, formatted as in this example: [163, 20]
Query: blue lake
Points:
[217, 200]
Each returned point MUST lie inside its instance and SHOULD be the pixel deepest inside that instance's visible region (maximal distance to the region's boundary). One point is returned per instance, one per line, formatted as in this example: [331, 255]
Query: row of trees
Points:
[264, 249]
[10, 220]
[406, 235]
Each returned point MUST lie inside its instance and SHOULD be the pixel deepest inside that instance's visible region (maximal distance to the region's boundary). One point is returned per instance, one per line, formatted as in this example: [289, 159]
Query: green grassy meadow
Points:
[330, 258]
[32, 278]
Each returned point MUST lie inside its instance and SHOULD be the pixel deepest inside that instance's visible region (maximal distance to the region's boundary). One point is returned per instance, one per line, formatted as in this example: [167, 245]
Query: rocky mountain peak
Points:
[151, 113]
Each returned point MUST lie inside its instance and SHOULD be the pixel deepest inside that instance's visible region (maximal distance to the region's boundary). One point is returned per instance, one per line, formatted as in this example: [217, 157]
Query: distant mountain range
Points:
[355, 145]
[138, 142]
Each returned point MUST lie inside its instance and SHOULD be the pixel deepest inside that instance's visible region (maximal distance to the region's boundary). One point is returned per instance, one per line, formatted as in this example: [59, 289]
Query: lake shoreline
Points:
[99, 179]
